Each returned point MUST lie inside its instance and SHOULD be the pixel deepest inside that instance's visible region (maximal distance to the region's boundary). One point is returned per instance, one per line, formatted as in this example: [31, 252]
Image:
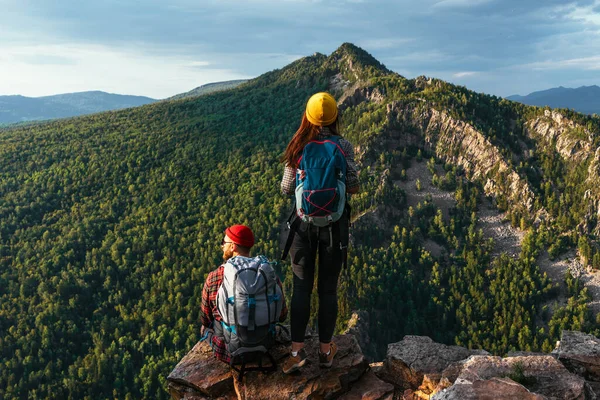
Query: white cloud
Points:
[459, 3]
[421, 57]
[465, 74]
[384, 43]
[587, 14]
[198, 64]
[584, 63]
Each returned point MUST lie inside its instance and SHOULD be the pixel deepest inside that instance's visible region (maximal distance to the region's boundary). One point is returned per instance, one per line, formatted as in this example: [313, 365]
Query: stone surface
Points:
[580, 353]
[492, 389]
[369, 387]
[201, 372]
[548, 377]
[200, 376]
[593, 390]
[417, 367]
[416, 358]
[311, 381]
[543, 375]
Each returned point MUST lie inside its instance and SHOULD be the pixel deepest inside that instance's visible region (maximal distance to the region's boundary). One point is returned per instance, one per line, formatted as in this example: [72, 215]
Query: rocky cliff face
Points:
[419, 123]
[572, 141]
[415, 368]
[455, 142]
[459, 143]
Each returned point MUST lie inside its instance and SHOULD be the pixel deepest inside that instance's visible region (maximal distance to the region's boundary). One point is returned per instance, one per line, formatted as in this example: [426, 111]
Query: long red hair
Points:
[305, 133]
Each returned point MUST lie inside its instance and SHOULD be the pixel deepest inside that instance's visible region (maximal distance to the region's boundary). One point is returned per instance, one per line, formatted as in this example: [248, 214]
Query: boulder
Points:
[370, 387]
[580, 353]
[311, 381]
[542, 375]
[199, 375]
[491, 389]
[418, 360]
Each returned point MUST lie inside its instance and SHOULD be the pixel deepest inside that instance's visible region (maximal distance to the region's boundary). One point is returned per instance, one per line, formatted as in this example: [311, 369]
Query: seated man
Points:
[237, 242]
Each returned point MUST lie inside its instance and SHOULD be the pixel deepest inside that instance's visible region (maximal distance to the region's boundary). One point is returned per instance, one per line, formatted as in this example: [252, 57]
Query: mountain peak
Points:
[361, 64]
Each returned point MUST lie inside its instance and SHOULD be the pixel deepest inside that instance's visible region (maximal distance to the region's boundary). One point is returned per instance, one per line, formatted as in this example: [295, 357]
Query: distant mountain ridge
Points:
[584, 99]
[22, 109]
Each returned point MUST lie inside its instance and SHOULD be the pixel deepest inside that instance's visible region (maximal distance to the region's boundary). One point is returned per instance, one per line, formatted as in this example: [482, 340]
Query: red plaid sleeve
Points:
[220, 349]
[208, 310]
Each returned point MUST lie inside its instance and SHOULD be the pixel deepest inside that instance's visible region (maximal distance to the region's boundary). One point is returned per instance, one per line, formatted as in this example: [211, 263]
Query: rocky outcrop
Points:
[199, 375]
[415, 368]
[312, 381]
[572, 141]
[580, 353]
[417, 363]
[370, 387]
[460, 143]
[492, 389]
[542, 375]
[359, 95]
[592, 197]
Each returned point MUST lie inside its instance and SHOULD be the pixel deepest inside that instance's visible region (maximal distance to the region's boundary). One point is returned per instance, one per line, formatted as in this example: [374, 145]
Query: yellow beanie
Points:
[321, 109]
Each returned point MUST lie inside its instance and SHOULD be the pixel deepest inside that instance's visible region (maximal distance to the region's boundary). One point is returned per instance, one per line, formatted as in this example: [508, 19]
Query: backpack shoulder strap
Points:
[292, 223]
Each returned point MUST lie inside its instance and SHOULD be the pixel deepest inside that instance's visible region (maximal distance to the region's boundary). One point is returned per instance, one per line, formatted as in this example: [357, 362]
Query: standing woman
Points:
[319, 123]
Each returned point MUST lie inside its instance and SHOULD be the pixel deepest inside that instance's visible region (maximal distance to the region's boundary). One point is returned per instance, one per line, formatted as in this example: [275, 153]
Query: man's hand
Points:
[202, 330]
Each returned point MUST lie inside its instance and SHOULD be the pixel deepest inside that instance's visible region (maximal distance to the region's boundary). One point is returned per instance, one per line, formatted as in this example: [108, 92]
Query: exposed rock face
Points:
[574, 143]
[460, 143]
[571, 140]
[592, 197]
[580, 353]
[543, 375]
[492, 389]
[370, 387]
[311, 381]
[358, 95]
[417, 362]
[200, 376]
[416, 368]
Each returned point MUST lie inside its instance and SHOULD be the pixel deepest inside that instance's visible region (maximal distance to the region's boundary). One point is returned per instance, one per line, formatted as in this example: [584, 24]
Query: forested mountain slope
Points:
[209, 88]
[109, 223]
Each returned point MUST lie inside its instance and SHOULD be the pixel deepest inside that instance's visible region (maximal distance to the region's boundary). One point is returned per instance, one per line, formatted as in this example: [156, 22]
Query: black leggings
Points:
[308, 240]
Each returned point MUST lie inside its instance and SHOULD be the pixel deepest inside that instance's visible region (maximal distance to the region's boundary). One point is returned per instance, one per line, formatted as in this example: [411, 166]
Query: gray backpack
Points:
[250, 303]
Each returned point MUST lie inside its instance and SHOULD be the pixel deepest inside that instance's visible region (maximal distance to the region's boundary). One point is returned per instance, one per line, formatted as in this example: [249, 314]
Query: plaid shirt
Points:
[288, 182]
[210, 313]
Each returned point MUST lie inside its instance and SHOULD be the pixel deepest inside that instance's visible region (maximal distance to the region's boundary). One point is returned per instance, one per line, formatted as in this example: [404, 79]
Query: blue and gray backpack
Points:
[250, 303]
[321, 182]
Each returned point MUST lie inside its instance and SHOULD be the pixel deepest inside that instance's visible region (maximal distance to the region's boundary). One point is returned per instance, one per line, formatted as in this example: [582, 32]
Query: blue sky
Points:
[161, 48]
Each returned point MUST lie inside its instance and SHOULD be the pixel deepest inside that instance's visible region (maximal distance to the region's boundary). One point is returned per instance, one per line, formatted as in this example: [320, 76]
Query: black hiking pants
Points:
[309, 241]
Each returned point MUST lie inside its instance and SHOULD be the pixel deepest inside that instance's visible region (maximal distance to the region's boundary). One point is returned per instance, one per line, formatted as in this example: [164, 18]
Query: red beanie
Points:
[240, 234]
